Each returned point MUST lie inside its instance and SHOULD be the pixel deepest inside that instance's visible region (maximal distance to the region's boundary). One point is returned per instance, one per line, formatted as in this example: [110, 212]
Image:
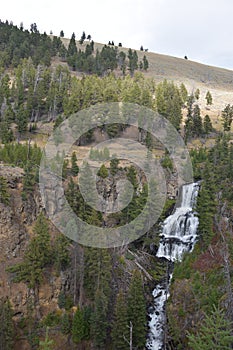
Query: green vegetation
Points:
[193, 123]
[4, 193]
[207, 125]
[136, 310]
[74, 165]
[6, 325]
[120, 330]
[81, 325]
[169, 102]
[214, 333]
[19, 154]
[200, 276]
[209, 99]
[103, 294]
[96, 154]
[47, 343]
[103, 171]
[37, 256]
[227, 116]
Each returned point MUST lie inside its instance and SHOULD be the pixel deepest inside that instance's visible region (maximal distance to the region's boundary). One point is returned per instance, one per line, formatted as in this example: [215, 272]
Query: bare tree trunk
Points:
[81, 275]
[130, 341]
[37, 77]
[75, 272]
[229, 287]
[29, 142]
[131, 336]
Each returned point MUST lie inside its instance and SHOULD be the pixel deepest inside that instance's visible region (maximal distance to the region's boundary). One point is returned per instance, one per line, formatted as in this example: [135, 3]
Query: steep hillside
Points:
[193, 74]
[177, 69]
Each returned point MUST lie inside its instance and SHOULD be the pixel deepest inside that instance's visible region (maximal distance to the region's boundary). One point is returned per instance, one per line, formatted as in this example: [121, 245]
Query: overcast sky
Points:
[200, 29]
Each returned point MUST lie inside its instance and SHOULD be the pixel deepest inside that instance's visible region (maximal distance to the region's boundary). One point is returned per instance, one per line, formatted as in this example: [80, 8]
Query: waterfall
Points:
[179, 233]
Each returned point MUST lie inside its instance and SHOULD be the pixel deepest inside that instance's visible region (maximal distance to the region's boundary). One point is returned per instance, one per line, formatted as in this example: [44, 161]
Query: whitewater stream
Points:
[179, 234]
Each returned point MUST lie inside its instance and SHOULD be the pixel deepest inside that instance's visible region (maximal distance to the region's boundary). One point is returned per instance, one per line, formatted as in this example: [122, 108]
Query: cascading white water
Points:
[178, 236]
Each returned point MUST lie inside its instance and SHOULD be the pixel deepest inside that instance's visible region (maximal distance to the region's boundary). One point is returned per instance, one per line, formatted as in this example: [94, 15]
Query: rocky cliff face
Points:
[16, 221]
[16, 229]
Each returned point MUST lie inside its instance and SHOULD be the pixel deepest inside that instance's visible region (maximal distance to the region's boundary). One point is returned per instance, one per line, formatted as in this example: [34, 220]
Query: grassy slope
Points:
[218, 81]
[194, 75]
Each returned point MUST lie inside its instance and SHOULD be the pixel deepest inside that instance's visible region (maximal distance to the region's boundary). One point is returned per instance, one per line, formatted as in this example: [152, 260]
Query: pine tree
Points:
[78, 327]
[103, 171]
[215, 332]
[22, 119]
[72, 52]
[65, 324]
[4, 194]
[37, 256]
[74, 165]
[183, 93]
[197, 121]
[97, 274]
[29, 179]
[132, 176]
[114, 166]
[209, 99]
[169, 102]
[99, 322]
[47, 344]
[61, 252]
[120, 328]
[83, 37]
[227, 117]
[146, 98]
[145, 63]
[205, 227]
[133, 61]
[207, 125]
[121, 61]
[72, 48]
[197, 94]
[106, 153]
[6, 325]
[87, 181]
[58, 122]
[6, 134]
[188, 128]
[206, 204]
[137, 310]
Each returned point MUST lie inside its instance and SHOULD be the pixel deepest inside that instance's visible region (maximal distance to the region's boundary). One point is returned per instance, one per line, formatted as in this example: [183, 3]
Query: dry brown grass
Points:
[178, 69]
[194, 75]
